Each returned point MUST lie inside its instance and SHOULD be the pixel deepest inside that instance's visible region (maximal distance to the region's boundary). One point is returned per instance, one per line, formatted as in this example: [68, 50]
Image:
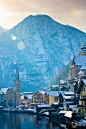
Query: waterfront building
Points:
[17, 89]
[67, 97]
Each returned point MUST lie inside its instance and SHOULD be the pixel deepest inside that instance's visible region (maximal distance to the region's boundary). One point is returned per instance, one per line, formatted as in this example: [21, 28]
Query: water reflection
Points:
[24, 121]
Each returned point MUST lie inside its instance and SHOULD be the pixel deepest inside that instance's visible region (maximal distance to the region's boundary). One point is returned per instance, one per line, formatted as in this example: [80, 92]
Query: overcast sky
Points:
[72, 12]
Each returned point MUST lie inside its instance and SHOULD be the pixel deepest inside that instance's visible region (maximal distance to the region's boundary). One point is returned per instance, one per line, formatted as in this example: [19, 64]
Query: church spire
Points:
[17, 87]
[17, 72]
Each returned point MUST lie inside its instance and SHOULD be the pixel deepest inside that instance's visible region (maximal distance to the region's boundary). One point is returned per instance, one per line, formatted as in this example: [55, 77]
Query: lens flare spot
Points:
[21, 45]
[13, 37]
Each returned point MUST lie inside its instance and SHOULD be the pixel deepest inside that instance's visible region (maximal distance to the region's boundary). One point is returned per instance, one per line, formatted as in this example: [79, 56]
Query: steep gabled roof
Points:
[4, 90]
[42, 92]
[80, 60]
[83, 67]
[53, 93]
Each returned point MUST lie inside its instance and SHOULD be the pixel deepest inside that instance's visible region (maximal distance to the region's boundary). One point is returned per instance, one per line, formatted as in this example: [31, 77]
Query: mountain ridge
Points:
[42, 47]
[2, 30]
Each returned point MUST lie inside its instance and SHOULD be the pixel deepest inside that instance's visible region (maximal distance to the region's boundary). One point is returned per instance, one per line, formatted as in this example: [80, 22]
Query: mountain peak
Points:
[2, 30]
[42, 47]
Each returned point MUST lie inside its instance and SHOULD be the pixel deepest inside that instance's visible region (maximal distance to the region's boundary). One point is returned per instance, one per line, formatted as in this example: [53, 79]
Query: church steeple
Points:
[17, 73]
[17, 87]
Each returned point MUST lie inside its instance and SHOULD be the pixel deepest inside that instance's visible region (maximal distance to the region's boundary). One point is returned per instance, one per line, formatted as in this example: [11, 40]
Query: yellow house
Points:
[53, 97]
[82, 92]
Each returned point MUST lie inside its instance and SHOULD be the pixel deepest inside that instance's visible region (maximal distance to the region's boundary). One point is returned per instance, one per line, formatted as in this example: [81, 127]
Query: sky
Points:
[67, 12]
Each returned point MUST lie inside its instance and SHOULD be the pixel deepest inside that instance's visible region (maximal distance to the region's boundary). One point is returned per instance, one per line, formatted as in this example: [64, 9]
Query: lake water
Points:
[24, 121]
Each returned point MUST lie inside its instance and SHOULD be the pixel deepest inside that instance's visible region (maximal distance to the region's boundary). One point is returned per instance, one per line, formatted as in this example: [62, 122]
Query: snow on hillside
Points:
[42, 47]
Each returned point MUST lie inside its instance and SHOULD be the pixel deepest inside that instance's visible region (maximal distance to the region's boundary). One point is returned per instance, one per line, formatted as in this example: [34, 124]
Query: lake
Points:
[24, 121]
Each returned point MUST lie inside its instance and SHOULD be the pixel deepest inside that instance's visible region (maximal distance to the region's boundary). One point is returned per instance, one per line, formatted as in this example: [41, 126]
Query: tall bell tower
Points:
[17, 87]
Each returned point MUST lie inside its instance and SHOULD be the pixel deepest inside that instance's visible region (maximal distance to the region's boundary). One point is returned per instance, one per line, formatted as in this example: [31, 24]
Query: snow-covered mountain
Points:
[42, 47]
[2, 30]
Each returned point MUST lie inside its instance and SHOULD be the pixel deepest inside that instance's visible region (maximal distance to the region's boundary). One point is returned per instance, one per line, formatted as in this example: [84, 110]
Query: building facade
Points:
[39, 97]
[82, 92]
[53, 97]
[26, 97]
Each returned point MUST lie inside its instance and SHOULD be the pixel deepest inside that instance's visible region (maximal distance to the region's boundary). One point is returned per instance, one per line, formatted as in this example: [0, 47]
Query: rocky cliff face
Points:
[42, 47]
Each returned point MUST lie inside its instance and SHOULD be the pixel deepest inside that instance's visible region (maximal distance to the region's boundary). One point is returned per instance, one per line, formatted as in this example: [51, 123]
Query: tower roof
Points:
[17, 73]
[83, 50]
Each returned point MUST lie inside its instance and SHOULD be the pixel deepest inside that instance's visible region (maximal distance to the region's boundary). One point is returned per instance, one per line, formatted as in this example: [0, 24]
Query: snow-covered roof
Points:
[63, 112]
[61, 81]
[28, 96]
[44, 105]
[81, 72]
[4, 90]
[68, 114]
[83, 67]
[53, 93]
[84, 80]
[68, 97]
[73, 107]
[55, 103]
[27, 92]
[69, 102]
[55, 86]
[69, 93]
[42, 92]
[80, 60]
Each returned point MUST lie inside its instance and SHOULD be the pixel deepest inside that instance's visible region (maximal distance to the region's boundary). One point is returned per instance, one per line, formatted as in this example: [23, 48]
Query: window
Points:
[38, 94]
[55, 98]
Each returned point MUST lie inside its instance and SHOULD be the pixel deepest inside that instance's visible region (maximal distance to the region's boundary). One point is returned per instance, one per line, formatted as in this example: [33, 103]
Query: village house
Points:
[82, 92]
[53, 97]
[55, 87]
[26, 97]
[64, 85]
[39, 97]
[67, 97]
